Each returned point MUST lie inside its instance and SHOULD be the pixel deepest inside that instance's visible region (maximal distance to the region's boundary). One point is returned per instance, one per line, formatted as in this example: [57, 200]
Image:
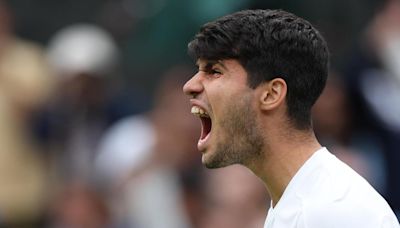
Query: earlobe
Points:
[273, 94]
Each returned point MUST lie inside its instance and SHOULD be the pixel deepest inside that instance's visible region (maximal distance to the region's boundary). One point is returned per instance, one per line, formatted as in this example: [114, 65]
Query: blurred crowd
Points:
[83, 143]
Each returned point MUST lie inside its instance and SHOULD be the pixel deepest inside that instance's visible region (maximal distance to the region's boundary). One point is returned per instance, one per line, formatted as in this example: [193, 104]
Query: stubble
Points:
[240, 141]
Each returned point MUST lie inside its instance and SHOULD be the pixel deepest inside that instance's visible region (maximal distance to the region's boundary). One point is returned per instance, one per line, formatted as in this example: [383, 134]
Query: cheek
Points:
[222, 93]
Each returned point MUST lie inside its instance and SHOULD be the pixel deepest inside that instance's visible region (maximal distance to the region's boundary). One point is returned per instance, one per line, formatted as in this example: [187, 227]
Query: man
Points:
[260, 72]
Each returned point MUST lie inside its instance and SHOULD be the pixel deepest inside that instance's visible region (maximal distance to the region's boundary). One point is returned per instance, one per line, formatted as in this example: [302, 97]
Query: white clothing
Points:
[124, 148]
[327, 193]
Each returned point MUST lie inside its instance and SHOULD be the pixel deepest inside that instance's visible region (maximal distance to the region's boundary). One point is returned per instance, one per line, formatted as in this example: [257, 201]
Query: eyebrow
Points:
[210, 63]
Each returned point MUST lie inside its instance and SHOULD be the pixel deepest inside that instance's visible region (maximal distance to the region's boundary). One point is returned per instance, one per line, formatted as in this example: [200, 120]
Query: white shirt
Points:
[326, 193]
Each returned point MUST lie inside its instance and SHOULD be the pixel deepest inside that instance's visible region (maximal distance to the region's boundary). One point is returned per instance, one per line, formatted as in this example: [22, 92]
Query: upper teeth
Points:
[199, 111]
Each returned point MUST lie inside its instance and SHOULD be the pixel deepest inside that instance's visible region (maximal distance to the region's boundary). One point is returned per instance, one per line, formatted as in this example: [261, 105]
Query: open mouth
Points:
[206, 122]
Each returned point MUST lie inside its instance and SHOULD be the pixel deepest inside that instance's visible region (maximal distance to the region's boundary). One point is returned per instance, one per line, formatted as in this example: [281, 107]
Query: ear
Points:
[273, 94]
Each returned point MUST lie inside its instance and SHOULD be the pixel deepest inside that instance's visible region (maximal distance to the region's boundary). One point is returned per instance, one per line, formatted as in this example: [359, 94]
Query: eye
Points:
[211, 71]
[215, 72]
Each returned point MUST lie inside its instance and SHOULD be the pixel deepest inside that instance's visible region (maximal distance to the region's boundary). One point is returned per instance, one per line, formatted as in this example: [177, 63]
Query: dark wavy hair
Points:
[270, 44]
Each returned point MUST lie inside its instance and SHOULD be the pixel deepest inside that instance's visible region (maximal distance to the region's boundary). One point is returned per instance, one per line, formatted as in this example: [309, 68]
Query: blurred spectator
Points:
[373, 77]
[78, 206]
[140, 157]
[25, 83]
[84, 59]
[234, 198]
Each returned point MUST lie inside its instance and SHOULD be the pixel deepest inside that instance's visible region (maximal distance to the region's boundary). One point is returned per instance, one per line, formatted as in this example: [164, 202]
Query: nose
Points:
[193, 87]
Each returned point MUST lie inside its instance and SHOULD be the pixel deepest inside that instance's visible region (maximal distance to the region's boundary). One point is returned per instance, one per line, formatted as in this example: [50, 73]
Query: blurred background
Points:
[95, 131]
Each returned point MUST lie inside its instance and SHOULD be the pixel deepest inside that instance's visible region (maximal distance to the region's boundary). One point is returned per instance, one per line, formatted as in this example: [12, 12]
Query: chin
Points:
[211, 165]
[211, 161]
[208, 162]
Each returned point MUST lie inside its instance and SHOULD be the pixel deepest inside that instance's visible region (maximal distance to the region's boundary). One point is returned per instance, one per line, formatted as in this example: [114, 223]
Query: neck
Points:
[284, 156]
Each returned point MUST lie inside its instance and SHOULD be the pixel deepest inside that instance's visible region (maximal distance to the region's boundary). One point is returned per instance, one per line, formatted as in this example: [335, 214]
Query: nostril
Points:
[193, 94]
[190, 89]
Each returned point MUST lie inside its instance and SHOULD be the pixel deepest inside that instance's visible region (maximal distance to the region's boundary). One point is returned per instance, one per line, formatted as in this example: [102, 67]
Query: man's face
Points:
[225, 104]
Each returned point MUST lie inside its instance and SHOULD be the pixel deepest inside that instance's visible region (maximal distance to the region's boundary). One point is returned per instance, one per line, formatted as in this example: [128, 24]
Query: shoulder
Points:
[349, 214]
[329, 194]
